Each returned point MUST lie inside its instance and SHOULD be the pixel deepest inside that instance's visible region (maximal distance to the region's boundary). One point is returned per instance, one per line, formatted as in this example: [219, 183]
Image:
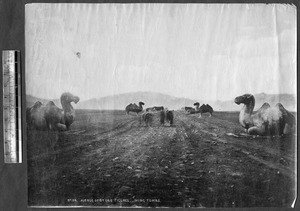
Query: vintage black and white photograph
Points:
[161, 105]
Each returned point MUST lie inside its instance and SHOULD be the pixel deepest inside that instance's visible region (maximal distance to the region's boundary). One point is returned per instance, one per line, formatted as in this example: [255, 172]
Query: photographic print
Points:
[161, 105]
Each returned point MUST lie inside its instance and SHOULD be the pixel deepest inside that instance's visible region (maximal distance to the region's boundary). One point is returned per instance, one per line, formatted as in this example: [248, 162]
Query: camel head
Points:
[69, 113]
[141, 103]
[67, 98]
[245, 99]
[76, 99]
[196, 104]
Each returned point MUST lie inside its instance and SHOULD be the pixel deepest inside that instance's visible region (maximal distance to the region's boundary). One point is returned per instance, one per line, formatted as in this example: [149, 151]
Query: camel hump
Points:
[264, 107]
[52, 111]
[281, 108]
[129, 105]
[50, 103]
[203, 107]
[208, 106]
[132, 106]
[37, 104]
[287, 116]
[279, 105]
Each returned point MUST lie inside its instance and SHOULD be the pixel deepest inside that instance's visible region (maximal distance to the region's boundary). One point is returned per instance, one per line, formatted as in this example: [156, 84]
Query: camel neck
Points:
[248, 108]
[246, 113]
[67, 107]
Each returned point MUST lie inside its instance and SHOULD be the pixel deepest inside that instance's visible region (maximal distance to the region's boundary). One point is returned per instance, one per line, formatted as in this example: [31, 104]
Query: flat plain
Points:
[111, 159]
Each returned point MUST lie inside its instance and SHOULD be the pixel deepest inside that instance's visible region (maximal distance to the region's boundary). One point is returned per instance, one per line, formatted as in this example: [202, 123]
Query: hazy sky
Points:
[199, 51]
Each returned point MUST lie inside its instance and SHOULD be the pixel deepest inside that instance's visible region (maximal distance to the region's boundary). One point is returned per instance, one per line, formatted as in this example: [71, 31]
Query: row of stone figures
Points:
[147, 115]
[266, 120]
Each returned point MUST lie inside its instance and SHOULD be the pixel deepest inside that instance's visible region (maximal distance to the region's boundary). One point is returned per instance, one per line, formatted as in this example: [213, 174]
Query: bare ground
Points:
[110, 159]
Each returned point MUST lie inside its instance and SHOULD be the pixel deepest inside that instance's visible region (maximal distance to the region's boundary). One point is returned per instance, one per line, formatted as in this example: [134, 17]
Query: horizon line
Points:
[151, 92]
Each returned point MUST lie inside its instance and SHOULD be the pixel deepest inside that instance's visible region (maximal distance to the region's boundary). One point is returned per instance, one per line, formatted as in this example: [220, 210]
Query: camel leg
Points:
[200, 115]
[256, 130]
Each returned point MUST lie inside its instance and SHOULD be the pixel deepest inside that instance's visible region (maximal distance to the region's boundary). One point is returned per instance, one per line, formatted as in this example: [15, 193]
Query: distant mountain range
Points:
[30, 100]
[150, 99]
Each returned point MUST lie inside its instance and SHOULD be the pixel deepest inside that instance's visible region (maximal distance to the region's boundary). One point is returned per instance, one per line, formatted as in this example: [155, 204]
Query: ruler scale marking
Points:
[12, 107]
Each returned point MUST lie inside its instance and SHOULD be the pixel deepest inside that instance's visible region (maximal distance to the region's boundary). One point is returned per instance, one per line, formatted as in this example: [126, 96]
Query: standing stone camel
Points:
[203, 109]
[266, 120]
[51, 117]
[134, 108]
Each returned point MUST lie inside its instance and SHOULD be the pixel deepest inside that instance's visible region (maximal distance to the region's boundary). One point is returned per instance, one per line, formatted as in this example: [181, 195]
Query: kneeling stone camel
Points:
[51, 117]
[266, 120]
[134, 108]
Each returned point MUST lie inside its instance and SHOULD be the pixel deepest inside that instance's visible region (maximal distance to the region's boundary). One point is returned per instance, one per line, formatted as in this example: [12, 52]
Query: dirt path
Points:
[115, 161]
